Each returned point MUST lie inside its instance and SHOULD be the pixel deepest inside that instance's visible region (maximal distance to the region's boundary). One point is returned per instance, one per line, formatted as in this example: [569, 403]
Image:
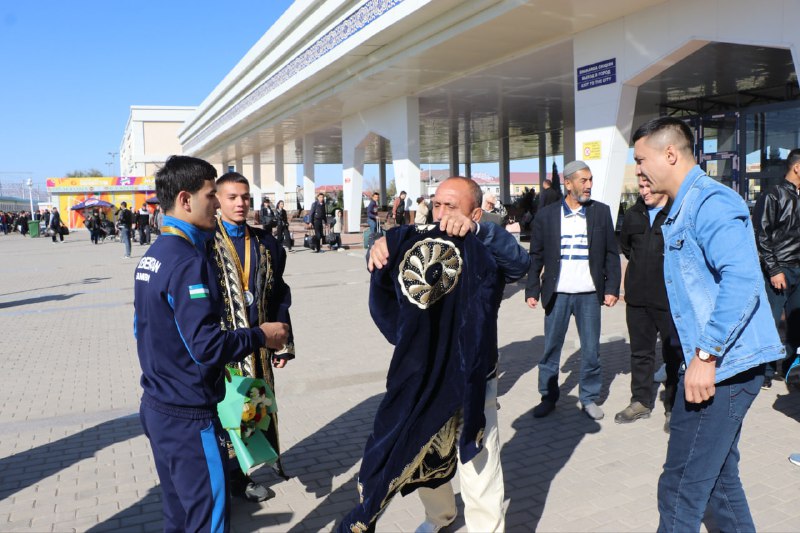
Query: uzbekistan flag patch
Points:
[198, 291]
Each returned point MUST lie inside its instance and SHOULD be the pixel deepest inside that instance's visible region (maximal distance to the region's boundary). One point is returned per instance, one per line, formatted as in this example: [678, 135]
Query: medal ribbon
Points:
[244, 272]
[175, 231]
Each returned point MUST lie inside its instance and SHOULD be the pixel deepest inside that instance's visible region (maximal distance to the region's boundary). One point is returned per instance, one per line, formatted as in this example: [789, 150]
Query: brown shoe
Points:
[632, 413]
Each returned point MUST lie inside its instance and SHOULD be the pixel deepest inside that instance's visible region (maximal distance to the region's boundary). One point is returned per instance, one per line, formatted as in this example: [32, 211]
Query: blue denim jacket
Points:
[713, 278]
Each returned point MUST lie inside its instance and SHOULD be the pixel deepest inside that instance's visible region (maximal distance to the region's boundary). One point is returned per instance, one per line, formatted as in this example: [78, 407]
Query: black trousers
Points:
[786, 301]
[644, 324]
[317, 244]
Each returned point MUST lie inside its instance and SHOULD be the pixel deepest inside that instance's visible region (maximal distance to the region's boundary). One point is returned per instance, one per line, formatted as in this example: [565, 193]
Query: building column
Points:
[280, 190]
[308, 171]
[405, 151]
[453, 155]
[353, 170]
[255, 180]
[467, 144]
[542, 136]
[382, 170]
[505, 159]
[397, 121]
[603, 113]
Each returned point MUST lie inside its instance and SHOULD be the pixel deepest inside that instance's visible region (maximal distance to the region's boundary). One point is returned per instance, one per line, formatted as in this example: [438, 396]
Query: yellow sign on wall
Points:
[591, 150]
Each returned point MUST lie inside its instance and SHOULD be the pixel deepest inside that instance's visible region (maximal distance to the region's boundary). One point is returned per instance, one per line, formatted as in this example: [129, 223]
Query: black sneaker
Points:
[543, 409]
[256, 492]
[767, 383]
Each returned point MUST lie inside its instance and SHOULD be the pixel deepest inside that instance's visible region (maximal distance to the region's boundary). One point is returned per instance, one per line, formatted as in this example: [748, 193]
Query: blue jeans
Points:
[125, 237]
[585, 307]
[373, 225]
[702, 466]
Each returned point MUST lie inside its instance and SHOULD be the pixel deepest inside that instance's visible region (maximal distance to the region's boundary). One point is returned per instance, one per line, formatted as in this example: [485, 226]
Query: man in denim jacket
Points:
[723, 322]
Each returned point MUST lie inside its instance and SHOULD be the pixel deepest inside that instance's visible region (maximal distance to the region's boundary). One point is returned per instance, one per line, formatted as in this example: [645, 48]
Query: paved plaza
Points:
[73, 456]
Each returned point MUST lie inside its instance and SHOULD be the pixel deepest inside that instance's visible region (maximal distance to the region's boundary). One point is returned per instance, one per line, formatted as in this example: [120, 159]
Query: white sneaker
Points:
[593, 411]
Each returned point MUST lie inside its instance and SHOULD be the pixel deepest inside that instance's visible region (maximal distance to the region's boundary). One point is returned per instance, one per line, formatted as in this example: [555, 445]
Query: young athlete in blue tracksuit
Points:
[183, 350]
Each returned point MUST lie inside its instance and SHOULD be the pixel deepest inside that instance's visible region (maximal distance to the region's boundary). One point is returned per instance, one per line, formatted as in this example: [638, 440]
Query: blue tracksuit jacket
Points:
[182, 349]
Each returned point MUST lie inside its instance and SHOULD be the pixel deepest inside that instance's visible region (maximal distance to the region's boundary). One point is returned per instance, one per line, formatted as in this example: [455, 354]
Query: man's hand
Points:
[532, 302]
[378, 255]
[456, 224]
[610, 300]
[778, 281]
[277, 362]
[277, 334]
[699, 380]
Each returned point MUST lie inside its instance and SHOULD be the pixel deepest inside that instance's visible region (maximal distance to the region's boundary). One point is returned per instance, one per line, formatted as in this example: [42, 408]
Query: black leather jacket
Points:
[643, 245]
[776, 219]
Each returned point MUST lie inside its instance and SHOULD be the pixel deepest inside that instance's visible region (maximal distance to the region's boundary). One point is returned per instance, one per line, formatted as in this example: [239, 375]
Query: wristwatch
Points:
[705, 356]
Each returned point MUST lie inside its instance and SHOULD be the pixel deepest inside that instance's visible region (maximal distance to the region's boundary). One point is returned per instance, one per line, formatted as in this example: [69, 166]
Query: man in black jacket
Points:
[318, 218]
[574, 241]
[55, 225]
[776, 221]
[647, 307]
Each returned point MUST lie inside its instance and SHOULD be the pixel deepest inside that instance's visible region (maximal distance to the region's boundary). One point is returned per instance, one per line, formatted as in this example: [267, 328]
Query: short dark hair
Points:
[232, 177]
[181, 173]
[669, 125]
[793, 158]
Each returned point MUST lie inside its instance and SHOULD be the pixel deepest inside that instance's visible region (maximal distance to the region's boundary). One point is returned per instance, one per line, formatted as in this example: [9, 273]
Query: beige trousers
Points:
[481, 482]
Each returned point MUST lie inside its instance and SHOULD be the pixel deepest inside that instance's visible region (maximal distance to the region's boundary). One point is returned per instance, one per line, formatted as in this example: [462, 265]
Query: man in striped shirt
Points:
[575, 269]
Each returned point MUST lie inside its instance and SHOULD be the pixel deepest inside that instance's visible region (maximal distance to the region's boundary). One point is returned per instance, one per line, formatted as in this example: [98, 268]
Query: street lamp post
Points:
[29, 183]
[113, 155]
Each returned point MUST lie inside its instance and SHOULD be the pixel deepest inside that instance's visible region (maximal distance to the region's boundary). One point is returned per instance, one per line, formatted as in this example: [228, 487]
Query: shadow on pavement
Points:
[513, 288]
[788, 404]
[516, 359]
[318, 459]
[84, 281]
[541, 448]
[27, 468]
[144, 515]
[38, 300]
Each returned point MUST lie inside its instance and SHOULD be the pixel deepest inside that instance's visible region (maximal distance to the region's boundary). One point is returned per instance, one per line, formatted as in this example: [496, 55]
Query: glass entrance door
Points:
[718, 148]
[770, 134]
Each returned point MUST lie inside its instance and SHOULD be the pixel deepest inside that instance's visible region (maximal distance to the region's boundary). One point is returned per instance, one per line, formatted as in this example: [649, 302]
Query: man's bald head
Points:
[472, 189]
[458, 194]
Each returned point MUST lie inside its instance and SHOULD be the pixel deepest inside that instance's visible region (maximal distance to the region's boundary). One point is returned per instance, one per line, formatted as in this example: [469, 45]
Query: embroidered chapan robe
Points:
[272, 301]
[436, 302]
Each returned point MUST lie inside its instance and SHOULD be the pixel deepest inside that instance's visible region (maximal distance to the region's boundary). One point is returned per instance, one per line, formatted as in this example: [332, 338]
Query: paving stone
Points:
[87, 461]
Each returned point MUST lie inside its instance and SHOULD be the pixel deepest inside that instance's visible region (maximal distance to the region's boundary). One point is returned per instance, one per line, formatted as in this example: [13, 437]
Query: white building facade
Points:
[151, 136]
[416, 82]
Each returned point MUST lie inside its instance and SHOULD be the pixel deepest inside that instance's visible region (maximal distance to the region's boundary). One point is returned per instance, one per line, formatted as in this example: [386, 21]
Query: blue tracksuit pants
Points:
[191, 457]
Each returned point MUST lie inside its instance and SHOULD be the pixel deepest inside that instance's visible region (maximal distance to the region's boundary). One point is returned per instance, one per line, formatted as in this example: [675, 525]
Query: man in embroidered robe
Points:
[435, 295]
[250, 265]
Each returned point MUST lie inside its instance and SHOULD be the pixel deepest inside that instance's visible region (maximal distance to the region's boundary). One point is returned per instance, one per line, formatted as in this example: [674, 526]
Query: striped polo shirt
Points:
[574, 276]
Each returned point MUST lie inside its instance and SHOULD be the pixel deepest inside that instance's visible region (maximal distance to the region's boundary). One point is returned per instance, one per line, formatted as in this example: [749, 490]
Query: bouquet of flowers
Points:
[244, 413]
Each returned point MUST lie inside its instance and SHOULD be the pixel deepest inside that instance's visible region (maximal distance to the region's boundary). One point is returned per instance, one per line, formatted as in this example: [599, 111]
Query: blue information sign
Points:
[597, 74]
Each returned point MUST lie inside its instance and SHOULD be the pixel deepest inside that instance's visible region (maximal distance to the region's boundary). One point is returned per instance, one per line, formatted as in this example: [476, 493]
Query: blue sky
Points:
[72, 69]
